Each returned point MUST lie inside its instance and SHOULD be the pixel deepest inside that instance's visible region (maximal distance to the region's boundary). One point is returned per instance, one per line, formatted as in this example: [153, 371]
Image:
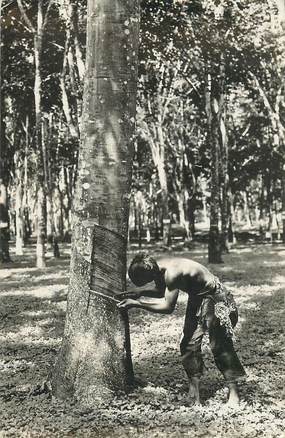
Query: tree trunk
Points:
[41, 228]
[182, 217]
[166, 220]
[246, 212]
[213, 114]
[224, 159]
[19, 218]
[4, 216]
[283, 203]
[214, 247]
[157, 147]
[231, 231]
[191, 215]
[95, 357]
[4, 225]
[40, 142]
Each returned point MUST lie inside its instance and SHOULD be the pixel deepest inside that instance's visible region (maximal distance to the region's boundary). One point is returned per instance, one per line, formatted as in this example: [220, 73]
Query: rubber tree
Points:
[95, 359]
[43, 190]
[214, 110]
[4, 221]
[281, 17]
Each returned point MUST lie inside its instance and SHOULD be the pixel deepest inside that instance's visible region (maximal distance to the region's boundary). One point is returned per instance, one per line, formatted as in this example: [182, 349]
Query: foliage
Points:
[180, 42]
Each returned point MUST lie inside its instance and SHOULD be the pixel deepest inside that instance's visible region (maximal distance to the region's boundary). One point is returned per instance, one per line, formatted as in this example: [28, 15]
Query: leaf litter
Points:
[32, 322]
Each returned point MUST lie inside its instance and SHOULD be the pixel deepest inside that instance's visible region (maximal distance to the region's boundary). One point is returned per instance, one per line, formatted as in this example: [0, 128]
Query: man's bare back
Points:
[185, 274]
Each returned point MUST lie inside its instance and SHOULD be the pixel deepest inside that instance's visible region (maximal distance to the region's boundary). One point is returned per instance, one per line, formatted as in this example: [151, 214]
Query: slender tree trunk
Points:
[19, 218]
[95, 358]
[41, 228]
[182, 217]
[40, 142]
[212, 110]
[156, 222]
[164, 187]
[262, 210]
[25, 208]
[205, 211]
[246, 212]
[4, 225]
[231, 232]
[214, 249]
[191, 215]
[224, 180]
[283, 203]
[157, 147]
[4, 216]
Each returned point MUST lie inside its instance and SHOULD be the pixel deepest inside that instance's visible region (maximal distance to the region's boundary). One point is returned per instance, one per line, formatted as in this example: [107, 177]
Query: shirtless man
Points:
[210, 307]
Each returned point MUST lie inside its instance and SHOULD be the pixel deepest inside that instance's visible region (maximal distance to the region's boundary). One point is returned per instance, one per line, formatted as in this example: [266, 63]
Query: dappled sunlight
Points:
[26, 333]
[273, 264]
[249, 291]
[247, 249]
[32, 327]
[279, 279]
[230, 269]
[36, 314]
[47, 292]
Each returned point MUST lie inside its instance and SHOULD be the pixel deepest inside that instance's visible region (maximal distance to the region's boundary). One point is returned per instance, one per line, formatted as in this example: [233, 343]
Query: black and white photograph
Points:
[142, 218]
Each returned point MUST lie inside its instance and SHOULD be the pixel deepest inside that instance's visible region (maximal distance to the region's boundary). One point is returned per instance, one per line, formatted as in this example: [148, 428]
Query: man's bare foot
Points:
[194, 393]
[233, 398]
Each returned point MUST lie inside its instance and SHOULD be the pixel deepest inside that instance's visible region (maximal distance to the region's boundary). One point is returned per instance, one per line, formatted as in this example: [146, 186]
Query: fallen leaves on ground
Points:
[32, 320]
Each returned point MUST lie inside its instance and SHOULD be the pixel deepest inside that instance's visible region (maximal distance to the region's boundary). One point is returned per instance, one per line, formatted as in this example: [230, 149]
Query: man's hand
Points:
[134, 295]
[127, 304]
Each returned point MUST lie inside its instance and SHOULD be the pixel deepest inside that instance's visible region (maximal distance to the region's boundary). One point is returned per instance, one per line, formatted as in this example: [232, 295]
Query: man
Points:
[210, 307]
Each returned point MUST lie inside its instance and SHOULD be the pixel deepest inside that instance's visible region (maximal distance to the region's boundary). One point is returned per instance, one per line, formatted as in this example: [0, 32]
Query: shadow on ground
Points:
[32, 323]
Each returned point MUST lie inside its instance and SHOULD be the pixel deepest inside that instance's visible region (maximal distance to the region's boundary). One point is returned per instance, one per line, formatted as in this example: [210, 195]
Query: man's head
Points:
[143, 269]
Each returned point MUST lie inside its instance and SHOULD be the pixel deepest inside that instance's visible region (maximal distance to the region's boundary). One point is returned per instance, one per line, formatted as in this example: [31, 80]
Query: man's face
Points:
[142, 277]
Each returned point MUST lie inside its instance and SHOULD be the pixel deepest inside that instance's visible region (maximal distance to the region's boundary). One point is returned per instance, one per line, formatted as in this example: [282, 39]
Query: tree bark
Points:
[4, 225]
[283, 203]
[19, 217]
[40, 142]
[95, 357]
[213, 114]
[4, 216]
[231, 230]
[41, 228]
[224, 160]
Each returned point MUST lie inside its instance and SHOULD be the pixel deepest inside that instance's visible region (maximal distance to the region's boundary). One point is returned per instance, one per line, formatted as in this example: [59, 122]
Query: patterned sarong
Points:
[225, 308]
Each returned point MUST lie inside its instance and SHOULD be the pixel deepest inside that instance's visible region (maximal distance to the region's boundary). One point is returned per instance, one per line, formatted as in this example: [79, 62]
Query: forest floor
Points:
[32, 312]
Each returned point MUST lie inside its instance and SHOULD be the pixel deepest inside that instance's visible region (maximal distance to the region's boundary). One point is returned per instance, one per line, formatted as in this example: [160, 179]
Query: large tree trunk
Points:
[95, 358]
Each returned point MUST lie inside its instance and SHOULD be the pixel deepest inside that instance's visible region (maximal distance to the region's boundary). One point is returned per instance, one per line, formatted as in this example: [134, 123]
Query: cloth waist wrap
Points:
[224, 304]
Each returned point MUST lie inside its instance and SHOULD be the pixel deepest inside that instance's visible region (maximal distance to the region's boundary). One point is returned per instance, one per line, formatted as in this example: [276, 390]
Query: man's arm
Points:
[137, 293]
[164, 305]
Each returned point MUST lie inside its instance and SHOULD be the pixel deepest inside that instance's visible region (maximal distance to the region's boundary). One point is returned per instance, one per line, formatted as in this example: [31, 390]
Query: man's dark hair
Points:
[142, 262]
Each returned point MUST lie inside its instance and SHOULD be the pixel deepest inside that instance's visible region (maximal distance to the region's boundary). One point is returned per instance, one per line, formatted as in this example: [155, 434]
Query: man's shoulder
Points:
[173, 272]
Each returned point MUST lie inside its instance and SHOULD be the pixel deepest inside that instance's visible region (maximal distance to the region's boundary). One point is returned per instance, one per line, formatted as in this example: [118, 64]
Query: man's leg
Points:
[225, 355]
[190, 348]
